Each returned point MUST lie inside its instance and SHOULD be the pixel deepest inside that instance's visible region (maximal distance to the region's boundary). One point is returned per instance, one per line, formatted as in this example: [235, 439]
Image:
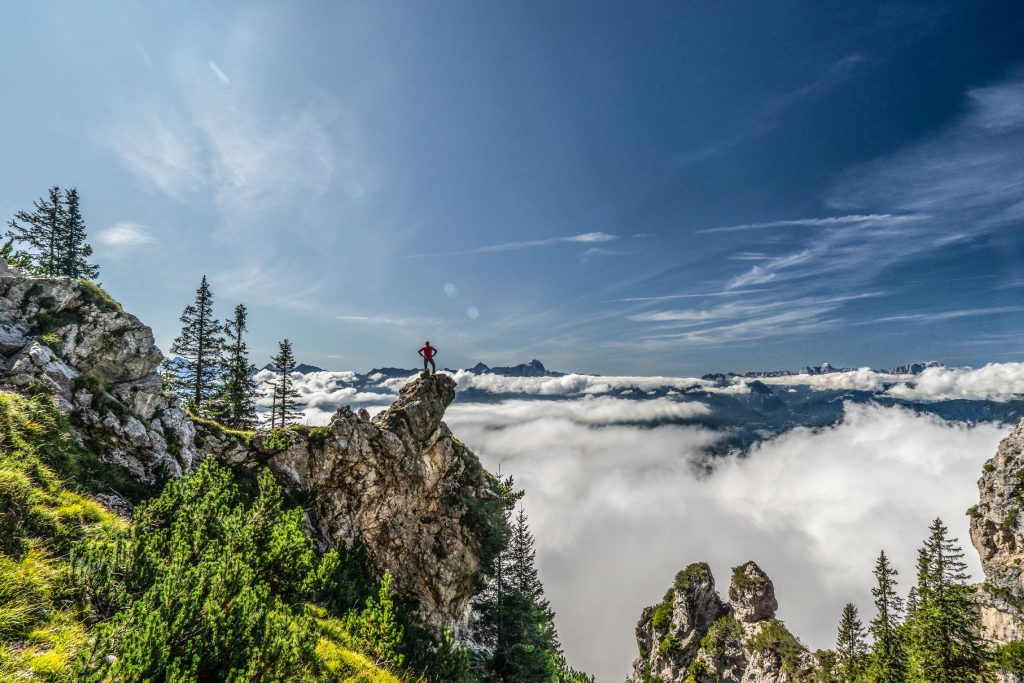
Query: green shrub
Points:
[774, 637]
[724, 630]
[1010, 657]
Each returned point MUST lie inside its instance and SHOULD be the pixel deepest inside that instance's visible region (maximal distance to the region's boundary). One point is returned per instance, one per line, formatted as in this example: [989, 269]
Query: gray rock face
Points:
[752, 594]
[693, 636]
[400, 485]
[997, 532]
[100, 363]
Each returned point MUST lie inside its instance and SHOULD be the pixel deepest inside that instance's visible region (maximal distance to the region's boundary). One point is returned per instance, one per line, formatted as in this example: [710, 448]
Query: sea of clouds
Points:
[620, 501]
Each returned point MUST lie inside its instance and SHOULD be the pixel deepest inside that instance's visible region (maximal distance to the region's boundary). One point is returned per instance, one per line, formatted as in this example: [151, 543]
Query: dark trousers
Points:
[433, 366]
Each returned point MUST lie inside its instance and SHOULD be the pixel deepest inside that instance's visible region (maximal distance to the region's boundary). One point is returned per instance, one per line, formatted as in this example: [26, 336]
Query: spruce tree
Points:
[55, 235]
[73, 250]
[41, 231]
[943, 645]
[887, 660]
[236, 405]
[285, 395]
[519, 624]
[199, 344]
[850, 647]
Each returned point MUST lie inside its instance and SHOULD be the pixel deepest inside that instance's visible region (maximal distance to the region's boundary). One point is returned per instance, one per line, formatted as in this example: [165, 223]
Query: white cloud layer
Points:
[618, 510]
[995, 381]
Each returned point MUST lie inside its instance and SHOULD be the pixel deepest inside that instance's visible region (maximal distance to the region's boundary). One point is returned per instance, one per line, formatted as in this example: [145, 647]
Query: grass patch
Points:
[98, 297]
[242, 436]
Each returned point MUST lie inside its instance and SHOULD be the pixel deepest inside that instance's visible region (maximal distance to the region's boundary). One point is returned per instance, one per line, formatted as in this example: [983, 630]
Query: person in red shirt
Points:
[428, 352]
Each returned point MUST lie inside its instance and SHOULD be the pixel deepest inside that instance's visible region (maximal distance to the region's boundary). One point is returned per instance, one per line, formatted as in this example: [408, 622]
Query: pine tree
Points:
[41, 231]
[285, 395]
[236, 405]
[376, 629]
[943, 646]
[516, 621]
[887, 660]
[55, 235]
[73, 250]
[199, 344]
[850, 647]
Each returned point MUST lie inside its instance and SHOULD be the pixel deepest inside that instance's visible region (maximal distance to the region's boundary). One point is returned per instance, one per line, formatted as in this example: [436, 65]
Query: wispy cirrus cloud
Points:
[950, 315]
[588, 238]
[825, 221]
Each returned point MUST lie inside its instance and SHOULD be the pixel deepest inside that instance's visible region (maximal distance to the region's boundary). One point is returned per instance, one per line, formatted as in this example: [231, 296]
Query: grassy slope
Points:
[45, 508]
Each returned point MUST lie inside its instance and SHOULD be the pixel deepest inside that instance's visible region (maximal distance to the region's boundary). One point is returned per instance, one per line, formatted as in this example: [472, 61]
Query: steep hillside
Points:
[138, 542]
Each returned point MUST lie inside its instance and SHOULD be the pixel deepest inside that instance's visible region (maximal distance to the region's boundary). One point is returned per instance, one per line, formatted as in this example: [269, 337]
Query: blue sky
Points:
[609, 187]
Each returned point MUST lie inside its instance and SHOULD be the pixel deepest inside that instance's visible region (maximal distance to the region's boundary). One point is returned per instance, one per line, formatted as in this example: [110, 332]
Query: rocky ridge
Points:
[693, 636]
[399, 485]
[68, 338]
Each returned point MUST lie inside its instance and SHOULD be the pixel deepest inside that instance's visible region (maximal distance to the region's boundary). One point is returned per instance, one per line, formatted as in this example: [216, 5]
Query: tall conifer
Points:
[285, 395]
[199, 344]
[41, 231]
[237, 402]
[850, 647]
[943, 645]
[888, 657]
[73, 250]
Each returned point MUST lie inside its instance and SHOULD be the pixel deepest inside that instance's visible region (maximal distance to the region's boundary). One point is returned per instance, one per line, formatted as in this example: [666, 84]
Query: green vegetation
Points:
[285, 396]
[725, 630]
[942, 624]
[199, 345]
[741, 581]
[43, 515]
[242, 436]
[1010, 657]
[516, 622]
[851, 649]
[775, 638]
[235, 405]
[98, 297]
[54, 235]
[211, 581]
[887, 661]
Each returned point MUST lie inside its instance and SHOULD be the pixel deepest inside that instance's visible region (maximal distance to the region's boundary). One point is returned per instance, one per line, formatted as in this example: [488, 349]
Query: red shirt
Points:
[428, 352]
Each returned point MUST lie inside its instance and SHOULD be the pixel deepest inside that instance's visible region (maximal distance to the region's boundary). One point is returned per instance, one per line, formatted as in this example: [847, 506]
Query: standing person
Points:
[428, 352]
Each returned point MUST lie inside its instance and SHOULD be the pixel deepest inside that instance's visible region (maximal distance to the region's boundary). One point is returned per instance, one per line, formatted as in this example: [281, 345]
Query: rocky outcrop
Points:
[400, 485]
[997, 532]
[68, 338]
[692, 636]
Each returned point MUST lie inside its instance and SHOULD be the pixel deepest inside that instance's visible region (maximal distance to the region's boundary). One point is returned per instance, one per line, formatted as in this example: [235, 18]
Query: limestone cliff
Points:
[693, 636]
[67, 337]
[400, 485]
[997, 532]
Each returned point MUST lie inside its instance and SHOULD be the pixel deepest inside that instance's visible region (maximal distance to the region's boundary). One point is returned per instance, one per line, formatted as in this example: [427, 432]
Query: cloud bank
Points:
[617, 510]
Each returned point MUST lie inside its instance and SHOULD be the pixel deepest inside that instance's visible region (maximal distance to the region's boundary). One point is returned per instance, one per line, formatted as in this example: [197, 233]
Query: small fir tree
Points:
[74, 251]
[377, 629]
[199, 345]
[285, 394]
[887, 659]
[850, 647]
[943, 645]
[54, 234]
[41, 232]
[237, 402]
